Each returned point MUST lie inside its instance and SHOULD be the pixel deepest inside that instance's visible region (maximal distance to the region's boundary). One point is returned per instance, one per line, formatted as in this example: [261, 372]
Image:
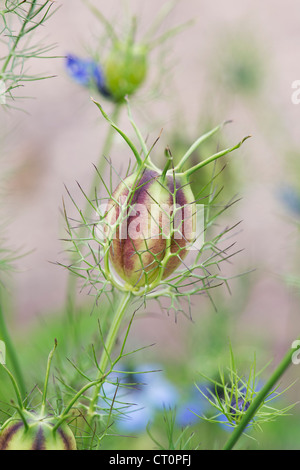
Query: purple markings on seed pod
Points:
[38, 435]
[8, 433]
[140, 224]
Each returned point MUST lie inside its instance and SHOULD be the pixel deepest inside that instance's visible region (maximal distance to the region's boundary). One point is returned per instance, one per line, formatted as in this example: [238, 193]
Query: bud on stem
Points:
[150, 220]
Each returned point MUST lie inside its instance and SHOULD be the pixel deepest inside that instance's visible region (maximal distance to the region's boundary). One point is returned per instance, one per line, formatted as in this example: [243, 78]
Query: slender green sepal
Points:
[43, 407]
[169, 158]
[122, 134]
[214, 157]
[197, 143]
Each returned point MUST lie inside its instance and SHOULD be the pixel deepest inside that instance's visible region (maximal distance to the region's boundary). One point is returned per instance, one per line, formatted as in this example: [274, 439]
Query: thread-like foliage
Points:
[19, 21]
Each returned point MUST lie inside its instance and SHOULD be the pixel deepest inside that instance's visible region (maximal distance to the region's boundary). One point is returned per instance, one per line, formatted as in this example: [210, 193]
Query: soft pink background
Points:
[60, 138]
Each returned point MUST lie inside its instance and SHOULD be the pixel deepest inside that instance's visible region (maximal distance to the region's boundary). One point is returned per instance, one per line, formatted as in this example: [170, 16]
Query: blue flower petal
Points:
[136, 415]
[158, 391]
[195, 404]
[137, 404]
[290, 198]
[186, 413]
[86, 72]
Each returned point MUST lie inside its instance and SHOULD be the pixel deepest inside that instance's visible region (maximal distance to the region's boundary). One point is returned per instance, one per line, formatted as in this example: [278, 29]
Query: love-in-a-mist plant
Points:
[143, 243]
[32, 428]
[232, 394]
[39, 422]
[147, 240]
[117, 68]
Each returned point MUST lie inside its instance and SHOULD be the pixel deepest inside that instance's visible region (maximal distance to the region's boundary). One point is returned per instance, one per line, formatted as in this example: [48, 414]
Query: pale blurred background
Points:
[60, 138]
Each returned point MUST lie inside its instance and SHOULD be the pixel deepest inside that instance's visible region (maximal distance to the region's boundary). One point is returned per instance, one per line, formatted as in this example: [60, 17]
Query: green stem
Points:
[105, 358]
[71, 286]
[259, 399]
[11, 353]
[109, 344]
[18, 37]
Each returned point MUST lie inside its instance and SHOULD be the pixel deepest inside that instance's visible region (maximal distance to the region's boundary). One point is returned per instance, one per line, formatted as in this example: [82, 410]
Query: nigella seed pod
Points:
[38, 434]
[151, 221]
[125, 69]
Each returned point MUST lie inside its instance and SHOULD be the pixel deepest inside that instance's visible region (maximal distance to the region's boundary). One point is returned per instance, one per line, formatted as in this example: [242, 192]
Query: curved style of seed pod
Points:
[38, 434]
[150, 221]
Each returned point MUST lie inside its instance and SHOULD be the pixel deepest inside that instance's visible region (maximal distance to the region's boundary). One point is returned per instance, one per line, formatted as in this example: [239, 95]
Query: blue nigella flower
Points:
[195, 405]
[236, 406]
[241, 404]
[138, 397]
[290, 198]
[86, 72]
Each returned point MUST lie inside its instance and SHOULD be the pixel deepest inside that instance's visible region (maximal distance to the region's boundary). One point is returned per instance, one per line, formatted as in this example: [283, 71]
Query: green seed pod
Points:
[37, 435]
[151, 222]
[125, 69]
